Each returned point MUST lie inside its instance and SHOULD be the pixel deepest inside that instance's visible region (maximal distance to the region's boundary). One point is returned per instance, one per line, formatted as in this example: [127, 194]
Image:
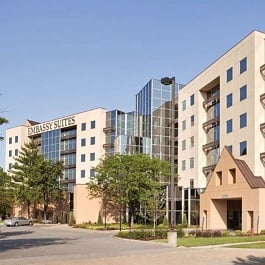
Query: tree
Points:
[46, 183]
[24, 171]
[2, 121]
[131, 180]
[7, 195]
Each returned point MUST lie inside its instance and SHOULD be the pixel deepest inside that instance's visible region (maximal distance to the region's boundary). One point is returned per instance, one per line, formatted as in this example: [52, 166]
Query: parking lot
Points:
[63, 245]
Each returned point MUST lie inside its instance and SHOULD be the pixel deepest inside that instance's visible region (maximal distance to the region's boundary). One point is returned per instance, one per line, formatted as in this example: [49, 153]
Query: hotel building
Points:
[222, 108]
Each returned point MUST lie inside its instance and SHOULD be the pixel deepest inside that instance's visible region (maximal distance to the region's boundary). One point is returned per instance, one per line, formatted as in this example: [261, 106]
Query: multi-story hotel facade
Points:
[222, 107]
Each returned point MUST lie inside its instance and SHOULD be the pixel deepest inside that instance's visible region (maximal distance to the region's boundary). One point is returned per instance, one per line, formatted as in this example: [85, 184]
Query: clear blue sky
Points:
[62, 57]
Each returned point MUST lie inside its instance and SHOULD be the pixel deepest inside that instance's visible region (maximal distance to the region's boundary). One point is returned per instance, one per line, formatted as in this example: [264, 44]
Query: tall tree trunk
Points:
[28, 208]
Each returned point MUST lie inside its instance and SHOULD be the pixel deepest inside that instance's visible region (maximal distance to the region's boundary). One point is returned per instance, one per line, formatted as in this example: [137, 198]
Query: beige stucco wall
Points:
[85, 209]
[214, 199]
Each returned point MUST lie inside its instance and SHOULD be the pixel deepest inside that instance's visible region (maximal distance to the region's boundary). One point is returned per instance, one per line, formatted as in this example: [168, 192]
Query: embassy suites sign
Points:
[51, 125]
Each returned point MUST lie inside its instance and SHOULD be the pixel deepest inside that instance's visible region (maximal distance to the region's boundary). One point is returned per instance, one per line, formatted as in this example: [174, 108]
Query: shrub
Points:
[262, 232]
[226, 233]
[238, 233]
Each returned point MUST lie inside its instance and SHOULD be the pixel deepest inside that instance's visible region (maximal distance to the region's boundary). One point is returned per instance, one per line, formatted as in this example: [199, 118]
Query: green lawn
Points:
[205, 241]
[251, 245]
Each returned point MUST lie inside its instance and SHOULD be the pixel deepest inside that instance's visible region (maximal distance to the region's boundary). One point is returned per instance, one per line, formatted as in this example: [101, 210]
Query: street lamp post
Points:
[172, 236]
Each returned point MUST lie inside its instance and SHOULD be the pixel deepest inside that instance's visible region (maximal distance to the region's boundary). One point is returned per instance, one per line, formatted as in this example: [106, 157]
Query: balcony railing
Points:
[262, 99]
[67, 152]
[109, 145]
[212, 100]
[108, 129]
[69, 166]
[262, 71]
[262, 158]
[208, 169]
[68, 136]
[211, 124]
[210, 146]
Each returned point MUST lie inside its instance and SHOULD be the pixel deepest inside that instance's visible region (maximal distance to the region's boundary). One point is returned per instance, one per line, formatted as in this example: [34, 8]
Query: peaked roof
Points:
[30, 123]
[253, 181]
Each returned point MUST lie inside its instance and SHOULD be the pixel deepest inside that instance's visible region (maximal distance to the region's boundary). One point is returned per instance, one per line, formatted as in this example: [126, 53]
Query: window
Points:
[83, 173]
[192, 120]
[183, 165]
[16, 152]
[232, 176]
[243, 92]
[243, 65]
[183, 145]
[92, 140]
[92, 124]
[10, 153]
[92, 172]
[10, 140]
[230, 148]
[243, 148]
[183, 105]
[229, 74]
[92, 156]
[229, 100]
[83, 158]
[243, 120]
[183, 125]
[192, 162]
[192, 141]
[219, 178]
[83, 142]
[192, 100]
[191, 183]
[229, 126]
[83, 126]
[16, 139]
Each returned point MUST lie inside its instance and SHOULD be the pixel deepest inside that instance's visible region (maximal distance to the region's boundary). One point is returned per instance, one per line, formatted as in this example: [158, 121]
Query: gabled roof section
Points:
[253, 181]
[30, 123]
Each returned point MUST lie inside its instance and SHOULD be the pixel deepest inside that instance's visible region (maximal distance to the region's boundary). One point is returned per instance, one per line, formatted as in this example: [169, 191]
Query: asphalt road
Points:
[63, 245]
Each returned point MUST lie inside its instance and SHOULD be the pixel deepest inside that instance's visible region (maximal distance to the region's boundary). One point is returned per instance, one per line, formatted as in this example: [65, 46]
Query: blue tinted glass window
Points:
[229, 74]
[192, 120]
[183, 165]
[243, 148]
[183, 125]
[92, 156]
[92, 124]
[243, 65]
[83, 158]
[83, 142]
[243, 120]
[183, 105]
[229, 100]
[192, 100]
[192, 162]
[83, 173]
[10, 153]
[92, 140]
[16, 139]
[83, 126]
[243, 92]
[230, 148]
[92, 172]
[229, 126]
[10, 140]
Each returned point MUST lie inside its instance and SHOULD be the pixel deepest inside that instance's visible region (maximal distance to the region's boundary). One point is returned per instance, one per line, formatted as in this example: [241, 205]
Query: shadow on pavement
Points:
[16, 233]
[10, 244]
[250, 260]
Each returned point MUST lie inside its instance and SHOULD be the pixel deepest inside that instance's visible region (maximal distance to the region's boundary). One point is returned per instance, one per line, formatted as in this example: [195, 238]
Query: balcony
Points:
[262, 158]
[210, 146]
[109, 145]
[262, 99]
[109, 129]
[66, 181]
[68, 137]
[67, 152]
[211, 101]
[208, 169]
[69, 166]
[210, 124]
[262, 71]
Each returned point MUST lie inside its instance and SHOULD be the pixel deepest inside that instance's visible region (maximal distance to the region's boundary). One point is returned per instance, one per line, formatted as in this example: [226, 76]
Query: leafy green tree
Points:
[2, 121]
[128, 179]
[24, 171]
[46, 183]
[7, 195]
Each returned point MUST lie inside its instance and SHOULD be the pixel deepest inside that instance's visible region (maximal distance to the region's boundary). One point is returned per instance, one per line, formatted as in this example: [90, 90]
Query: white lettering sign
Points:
[51, 125]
